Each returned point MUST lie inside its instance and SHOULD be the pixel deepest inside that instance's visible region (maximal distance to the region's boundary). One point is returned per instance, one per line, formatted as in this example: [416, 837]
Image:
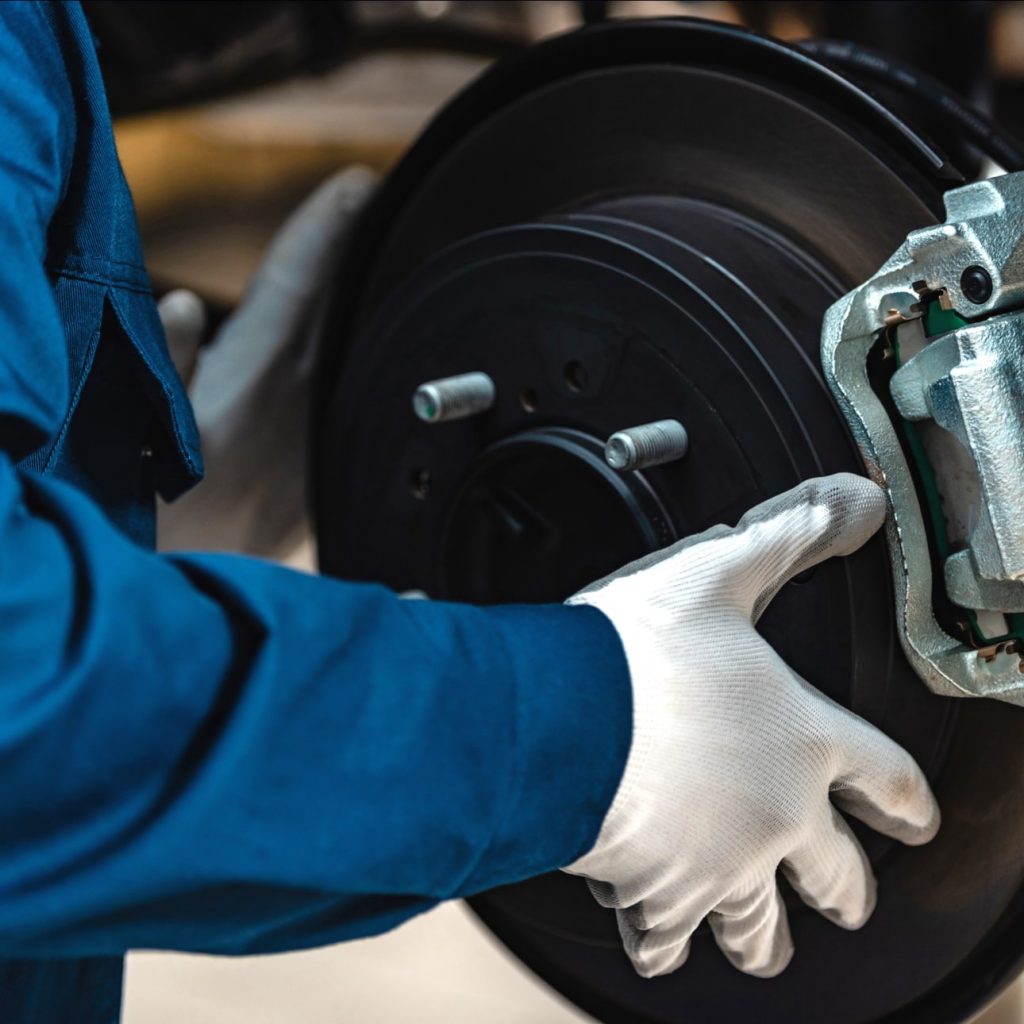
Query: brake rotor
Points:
[634, 222]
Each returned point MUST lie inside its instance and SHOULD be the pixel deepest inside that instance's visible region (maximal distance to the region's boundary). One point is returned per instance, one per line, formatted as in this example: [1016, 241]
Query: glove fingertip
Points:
[918, 835]
[854, 918]
[772, 968]
[661, 963]
[857, 508]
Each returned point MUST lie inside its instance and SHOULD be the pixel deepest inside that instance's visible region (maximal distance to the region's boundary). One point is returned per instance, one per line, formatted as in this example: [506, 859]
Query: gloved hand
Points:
[251, 388]
[734, 757]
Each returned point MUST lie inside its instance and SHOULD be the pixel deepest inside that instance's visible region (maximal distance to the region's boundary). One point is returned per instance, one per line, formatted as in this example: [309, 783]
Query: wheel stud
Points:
[453, 398]
[650, 444]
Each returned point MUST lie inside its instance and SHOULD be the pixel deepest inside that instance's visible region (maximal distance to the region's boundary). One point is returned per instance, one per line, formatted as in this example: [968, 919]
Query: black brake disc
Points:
[638, 221]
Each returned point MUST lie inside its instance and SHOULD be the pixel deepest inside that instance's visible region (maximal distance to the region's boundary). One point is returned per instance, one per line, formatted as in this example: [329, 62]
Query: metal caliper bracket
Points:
[968, 274]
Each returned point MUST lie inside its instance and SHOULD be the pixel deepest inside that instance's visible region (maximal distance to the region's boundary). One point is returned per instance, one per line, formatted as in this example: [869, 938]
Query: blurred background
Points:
[227, 114]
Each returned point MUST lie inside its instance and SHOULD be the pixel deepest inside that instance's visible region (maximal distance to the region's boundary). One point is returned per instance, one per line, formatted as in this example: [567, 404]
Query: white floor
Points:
[441, 968]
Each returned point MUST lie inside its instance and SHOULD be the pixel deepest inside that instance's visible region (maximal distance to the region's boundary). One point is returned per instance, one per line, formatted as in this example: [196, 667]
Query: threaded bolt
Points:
[649, 444]
[453, 398]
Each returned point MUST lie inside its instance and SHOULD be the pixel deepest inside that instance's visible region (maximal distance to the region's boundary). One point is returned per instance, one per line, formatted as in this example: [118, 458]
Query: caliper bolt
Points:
[649, 444]
[453, 398]
[976, 285]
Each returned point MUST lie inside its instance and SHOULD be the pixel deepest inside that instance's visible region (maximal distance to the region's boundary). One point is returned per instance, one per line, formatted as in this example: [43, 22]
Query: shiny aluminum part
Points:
[970, 382]
[650, 444]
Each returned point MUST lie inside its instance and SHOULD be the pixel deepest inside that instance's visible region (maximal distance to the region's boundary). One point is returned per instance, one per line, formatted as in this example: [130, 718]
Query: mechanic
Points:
[214, 753]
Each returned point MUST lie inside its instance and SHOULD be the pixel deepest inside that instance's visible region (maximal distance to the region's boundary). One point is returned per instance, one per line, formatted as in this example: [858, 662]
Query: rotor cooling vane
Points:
[645, 222]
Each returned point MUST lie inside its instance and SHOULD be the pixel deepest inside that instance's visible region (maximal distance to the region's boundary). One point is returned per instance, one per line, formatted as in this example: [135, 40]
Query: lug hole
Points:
[976, 285]
[576, 376]
[528, 399]
[420, 483]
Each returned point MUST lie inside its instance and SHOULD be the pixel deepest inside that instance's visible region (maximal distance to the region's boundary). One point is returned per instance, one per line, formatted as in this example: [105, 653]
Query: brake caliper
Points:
[926, 361]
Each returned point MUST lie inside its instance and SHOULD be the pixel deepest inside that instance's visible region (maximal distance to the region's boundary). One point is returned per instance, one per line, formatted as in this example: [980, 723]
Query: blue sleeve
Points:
[36, 143]
[214, 753]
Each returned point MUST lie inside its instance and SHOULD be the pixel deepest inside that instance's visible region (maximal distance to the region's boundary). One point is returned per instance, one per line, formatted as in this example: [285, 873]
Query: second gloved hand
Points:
[252, 387]
[737, 765]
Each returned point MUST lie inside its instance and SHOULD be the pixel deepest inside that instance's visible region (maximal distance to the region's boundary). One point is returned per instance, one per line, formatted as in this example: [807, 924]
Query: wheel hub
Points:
[542, 514]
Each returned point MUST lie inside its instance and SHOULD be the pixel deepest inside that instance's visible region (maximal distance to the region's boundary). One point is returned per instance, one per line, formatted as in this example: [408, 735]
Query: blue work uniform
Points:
[208, 752]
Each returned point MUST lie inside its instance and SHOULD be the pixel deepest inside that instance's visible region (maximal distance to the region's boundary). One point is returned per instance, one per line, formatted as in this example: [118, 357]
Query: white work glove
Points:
[737, 765]
[251, 386]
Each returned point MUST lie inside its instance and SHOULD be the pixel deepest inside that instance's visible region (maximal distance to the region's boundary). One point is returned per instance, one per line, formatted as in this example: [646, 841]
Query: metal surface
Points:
[969, 382]
[674, 204]
[649, 444]
[453, 398]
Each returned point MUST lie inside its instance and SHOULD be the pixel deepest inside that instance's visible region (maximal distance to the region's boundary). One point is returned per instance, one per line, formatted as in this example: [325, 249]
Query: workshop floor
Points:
[441, 968]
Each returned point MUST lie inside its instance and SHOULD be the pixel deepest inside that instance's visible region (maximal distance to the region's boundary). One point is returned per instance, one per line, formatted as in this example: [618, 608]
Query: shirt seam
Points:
[75, 398]
[109, 282]
[82, 255]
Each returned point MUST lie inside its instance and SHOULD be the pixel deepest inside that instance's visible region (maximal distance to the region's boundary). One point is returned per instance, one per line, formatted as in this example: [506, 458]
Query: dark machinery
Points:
[636, 222]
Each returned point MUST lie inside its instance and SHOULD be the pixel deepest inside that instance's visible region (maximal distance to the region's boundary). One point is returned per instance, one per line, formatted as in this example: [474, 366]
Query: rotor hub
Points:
[542, 514]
